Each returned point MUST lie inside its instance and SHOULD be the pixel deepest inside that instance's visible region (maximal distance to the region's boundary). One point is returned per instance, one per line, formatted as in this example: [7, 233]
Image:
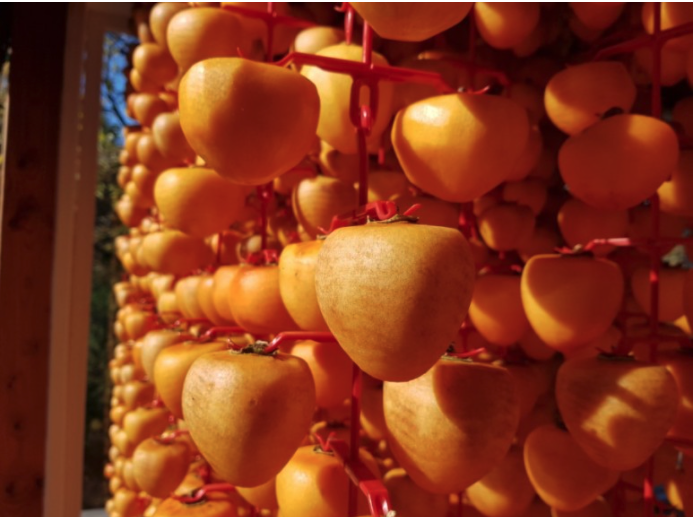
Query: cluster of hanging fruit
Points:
[483, 391]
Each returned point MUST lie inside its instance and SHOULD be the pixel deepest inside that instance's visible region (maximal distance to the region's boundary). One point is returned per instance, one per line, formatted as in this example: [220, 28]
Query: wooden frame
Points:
[47, 209]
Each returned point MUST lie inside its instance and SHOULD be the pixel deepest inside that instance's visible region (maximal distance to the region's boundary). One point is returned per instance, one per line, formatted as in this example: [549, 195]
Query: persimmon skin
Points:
[672, 15]
[562, 474]
[313, 482]
[296, 269]
[506, 24]
[417, 21]
[497, 310]
[317, 200]
[216, 504]
[248, 398]
[331, 370]
[506, 227]
[410, 500]
[142, 423]
[186, 291]
[256, 303]
[170, 139]
[597, 15]
[427, 138]
[250, 122]
[420, 415]
[160, 467]
[570, 300]
[603, 421]
[262, 496]
[619, 162]
[577, 97]
[356, 262]
[154, 62]
[153, 343]
[207, 32]
[504, 491]
[175, 252]
[204, 296]
[221, 290]
[171, 367]
[580, 223]
[679, 364]
[160, 16]
[671, 281]
[198, 201]
[675, 195]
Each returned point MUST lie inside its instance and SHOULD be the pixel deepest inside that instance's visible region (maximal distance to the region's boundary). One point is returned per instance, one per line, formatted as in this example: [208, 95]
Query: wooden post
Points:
[27, 215]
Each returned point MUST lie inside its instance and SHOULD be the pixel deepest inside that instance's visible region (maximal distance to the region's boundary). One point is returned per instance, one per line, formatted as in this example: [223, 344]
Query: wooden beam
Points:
[27, 215]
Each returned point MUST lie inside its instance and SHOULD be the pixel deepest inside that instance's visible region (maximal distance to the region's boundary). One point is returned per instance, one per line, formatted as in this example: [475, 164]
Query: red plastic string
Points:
[319, 337]
[201, 493]
[214, 332]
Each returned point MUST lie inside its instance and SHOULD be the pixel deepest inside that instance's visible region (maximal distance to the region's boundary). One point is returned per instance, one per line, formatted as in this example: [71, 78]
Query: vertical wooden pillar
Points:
[27, 212]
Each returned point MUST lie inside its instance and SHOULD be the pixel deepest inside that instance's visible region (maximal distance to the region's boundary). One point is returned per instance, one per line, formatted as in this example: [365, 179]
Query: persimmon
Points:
[174, 252]
[168, 308]
[561, 472]
[580, 223]
[331, 371]
[605, 343]
[161, 284]
[248, 412]
[317, 200]
[384, 185]
[506, 226]
[144, 422]
[679, 487]
[255, 300]
[128, 213]
[170, 139]
[671, 281]
[137, 393]
[129, 480]
[505, 490]
[426, 307]
[531, 193]
[146, 108]
[619, 162]
[153, 61]
[160, 16]
[427, 137]
[672, 15]
[432, 211]
[262, 496]
[597, 15]
[139, 323]
[296, 270]
[171, 366]
[204, 297]
[186, 291]
[406, 21]
[570, 300]
[577, 97]
[313, 482]
[437, 408]
[672, 69]
[679, 364]
[543, 241]
[150, 156]
[372, 412]
[222, 279]
[534, 347]
[214, 504]
[126, 503]
[337, 164]
[314, 39]
[675, 194]
[497, 310]
[251, 122]
[335, 126]
[617, 431]
[529, 158]
[506, 24]
[598, 508]
[410, 500]
[197, 34]
[154, 342]
[160, 466]
[198, 201]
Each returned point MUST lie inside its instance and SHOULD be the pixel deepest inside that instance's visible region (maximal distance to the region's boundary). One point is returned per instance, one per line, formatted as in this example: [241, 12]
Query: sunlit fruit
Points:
[577, 97]
[497, 310]
[617, 431]
[159, 466]
[597, 15]
[317, 200]
[235, 405]
[570, 300]
[437, 408]
[251, 122]
[419, 314]
[427, 137]
[506, 24]
[406, 21]
[331, 371]
[619, 162]
[580, 223]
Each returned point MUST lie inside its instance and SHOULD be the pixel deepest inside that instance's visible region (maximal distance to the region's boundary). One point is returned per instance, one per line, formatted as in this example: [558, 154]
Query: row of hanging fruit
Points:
[445, 257]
